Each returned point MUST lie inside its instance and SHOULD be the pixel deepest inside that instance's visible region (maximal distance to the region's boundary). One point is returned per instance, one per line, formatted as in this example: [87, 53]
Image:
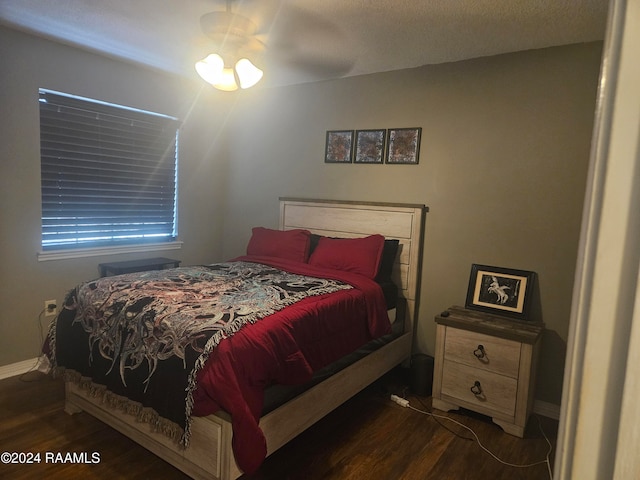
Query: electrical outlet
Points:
[50, 308]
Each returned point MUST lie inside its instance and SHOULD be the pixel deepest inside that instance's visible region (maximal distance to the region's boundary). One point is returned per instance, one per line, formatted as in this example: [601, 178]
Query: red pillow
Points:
[358, 255]
[287, 244]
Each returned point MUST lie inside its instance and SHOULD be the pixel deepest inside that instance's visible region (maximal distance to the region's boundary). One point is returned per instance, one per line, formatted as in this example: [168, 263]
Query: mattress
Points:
[277, 395]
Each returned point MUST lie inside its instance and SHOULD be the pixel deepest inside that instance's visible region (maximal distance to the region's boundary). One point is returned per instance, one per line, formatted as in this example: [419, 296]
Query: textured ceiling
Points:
[345, 37]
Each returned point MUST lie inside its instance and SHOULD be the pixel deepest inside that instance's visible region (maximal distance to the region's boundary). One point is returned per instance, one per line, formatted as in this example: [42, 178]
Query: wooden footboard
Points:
[209, 455]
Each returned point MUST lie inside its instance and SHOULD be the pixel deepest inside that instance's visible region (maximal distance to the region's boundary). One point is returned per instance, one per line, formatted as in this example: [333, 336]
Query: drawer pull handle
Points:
[479, 352]
[476, 389]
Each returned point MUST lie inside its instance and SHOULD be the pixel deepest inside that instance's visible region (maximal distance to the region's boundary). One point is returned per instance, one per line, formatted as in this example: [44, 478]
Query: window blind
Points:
[108, 173]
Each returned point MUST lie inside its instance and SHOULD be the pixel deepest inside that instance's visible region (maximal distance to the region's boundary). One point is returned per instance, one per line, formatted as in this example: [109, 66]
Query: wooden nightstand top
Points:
[511, 329]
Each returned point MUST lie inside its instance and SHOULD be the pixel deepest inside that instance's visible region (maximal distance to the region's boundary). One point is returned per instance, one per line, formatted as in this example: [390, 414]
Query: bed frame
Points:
[209, 455]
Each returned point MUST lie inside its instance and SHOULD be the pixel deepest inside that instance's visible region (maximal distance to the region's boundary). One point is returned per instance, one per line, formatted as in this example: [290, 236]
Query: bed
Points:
[210, 451]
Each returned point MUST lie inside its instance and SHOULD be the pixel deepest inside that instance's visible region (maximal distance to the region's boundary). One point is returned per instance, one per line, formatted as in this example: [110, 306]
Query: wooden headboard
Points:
[335, 218]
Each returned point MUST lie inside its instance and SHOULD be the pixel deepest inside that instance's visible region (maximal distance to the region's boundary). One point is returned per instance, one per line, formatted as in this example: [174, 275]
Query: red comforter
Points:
[286, 348]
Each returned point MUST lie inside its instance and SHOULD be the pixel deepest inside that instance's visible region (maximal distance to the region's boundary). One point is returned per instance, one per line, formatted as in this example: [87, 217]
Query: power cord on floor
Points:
[39, 361]
[405, 403]
[450, 430]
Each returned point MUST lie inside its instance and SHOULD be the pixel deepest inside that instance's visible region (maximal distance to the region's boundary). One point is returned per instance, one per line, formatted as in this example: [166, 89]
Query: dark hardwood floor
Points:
[369, 437]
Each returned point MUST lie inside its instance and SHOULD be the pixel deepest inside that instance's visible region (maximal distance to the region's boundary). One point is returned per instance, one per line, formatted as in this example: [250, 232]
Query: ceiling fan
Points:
[280, 36]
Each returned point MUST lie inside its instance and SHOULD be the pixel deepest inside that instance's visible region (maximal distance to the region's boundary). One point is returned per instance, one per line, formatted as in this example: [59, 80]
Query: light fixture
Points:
[248, 74]
[214, 71]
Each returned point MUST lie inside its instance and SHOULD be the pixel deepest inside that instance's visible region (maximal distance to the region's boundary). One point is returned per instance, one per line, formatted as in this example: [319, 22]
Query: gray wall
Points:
[504, 154]
[28, 63]
[503, 164]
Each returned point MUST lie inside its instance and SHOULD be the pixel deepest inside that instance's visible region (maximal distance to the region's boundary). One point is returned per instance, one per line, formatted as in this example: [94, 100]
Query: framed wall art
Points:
[339, 146]
[403, 146]
[370, 146]
[501, 291]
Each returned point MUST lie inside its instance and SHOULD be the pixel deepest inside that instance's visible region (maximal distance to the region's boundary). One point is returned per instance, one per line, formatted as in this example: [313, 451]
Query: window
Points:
[108, 174]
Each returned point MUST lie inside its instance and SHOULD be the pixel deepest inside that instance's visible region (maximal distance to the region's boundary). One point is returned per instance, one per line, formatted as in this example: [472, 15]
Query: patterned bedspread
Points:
[137, 321]
[140, 341]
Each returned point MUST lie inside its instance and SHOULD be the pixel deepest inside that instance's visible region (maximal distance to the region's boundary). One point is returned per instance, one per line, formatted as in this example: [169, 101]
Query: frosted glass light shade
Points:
[210, 68]
[213, 71]
[227, 81]
[248, 74]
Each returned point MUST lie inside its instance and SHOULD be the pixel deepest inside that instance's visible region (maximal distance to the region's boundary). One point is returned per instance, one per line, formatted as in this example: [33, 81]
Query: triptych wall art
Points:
[400, 146]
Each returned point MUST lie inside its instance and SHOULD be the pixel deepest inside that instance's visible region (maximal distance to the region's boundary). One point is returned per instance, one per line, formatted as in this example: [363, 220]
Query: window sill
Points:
[97, 251]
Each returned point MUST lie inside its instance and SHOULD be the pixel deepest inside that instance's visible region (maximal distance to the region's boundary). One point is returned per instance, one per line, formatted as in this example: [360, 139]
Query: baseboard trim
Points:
[546, 409]
[19, 368]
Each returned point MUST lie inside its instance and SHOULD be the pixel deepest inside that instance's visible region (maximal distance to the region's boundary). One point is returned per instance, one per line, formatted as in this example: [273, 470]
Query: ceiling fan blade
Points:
[306, 42]
[317, 63]
[287, 38]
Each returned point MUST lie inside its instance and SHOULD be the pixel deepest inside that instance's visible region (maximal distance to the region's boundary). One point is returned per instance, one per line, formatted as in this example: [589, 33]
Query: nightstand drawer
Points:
[496, 354]
[495, 392]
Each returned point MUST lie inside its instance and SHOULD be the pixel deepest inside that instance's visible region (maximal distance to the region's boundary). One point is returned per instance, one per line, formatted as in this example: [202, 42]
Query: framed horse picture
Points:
[501, 291]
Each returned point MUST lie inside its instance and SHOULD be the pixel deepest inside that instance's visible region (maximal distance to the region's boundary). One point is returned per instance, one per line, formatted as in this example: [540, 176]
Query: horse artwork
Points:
[498, 290]
[501, 291]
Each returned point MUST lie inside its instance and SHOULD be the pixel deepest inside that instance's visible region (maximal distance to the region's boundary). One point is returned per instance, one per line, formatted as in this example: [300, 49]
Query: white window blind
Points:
[108, 173]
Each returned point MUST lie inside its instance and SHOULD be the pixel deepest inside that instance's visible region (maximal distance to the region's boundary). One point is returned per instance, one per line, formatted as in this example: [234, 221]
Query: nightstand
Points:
[486, 363]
